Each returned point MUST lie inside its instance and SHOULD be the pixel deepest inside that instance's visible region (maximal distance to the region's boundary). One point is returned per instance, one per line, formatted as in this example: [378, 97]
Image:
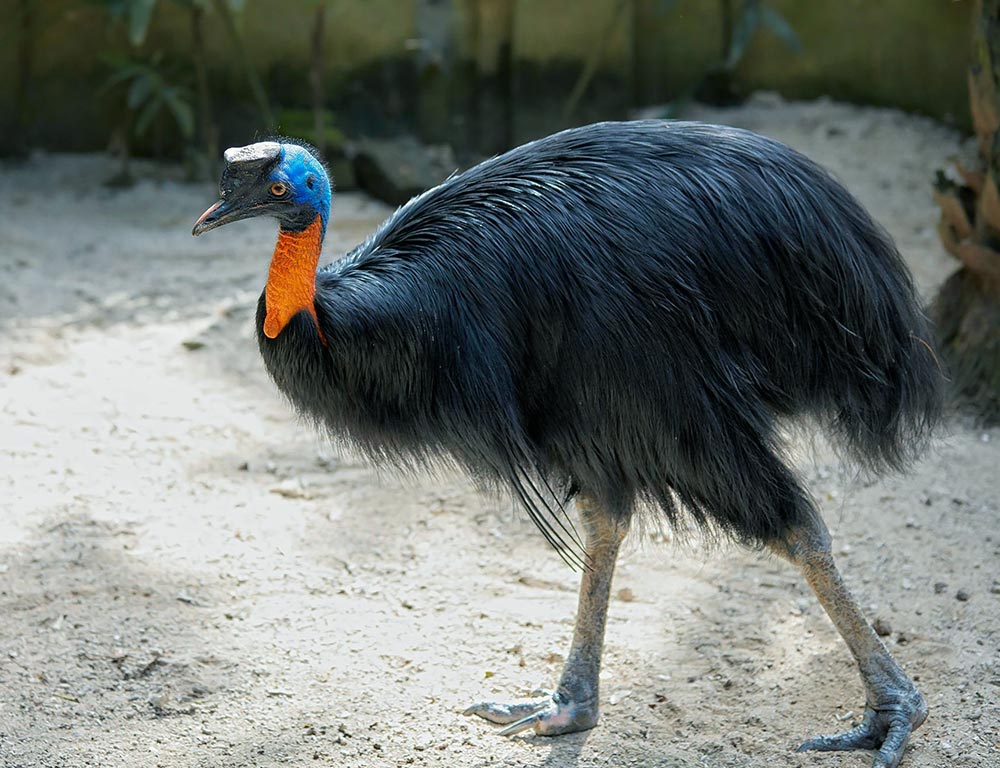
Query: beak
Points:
[210, 219]
[221, 213]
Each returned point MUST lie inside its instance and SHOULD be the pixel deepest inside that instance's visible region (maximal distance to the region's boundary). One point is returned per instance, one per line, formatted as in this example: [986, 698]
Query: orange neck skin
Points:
[291, 281]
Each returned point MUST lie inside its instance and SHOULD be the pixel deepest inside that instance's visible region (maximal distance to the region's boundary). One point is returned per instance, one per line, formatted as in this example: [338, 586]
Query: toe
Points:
[505, 714]
[865, 736]
[892, 748]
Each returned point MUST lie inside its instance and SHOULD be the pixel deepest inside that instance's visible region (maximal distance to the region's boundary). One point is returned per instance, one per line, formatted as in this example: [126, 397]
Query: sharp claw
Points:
[504, 714]
[521, 725]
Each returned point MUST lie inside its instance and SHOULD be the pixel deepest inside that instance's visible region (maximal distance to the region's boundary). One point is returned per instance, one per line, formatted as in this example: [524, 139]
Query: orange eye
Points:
[278, 189]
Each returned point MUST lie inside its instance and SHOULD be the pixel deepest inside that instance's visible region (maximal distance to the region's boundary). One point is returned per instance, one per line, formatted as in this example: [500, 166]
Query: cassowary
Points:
[620, 314]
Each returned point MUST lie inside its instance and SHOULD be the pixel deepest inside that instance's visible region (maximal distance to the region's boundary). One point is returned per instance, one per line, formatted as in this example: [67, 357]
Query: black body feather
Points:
[623, 309]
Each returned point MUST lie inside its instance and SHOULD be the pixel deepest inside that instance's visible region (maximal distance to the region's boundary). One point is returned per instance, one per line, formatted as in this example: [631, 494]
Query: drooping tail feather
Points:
[889, 388]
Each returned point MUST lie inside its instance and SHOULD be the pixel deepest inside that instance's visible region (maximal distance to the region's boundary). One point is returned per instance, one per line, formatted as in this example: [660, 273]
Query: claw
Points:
[523, 724]
[505, 714]
[887, 730]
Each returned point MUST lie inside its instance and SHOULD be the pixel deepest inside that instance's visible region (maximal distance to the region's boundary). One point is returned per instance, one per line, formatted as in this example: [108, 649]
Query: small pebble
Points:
[962, 595]
[939, 587]
[882, 627]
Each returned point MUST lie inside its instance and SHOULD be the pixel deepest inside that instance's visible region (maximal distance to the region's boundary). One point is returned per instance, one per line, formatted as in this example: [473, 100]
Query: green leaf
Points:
[140, 13]
[771, 18]
[122, 70]
[139, 91]
[181, 110]
[743, 32]
[234, 9]
[147, 115]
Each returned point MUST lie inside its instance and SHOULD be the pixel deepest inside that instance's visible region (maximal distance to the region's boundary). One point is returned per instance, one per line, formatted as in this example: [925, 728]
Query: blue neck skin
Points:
[310, 186]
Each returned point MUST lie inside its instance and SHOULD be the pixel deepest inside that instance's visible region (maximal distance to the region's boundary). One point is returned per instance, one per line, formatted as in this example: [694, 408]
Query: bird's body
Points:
[621, 312]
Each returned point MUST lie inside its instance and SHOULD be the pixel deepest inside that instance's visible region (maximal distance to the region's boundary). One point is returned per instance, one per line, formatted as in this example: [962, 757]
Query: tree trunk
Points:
[25, 68]
[967, 310]
[435, 68]
[494, 69]
[257, 89]
[209, 134]
[316, 79]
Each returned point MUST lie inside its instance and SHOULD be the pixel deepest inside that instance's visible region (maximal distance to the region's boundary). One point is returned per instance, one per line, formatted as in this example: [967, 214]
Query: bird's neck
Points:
[291, 280]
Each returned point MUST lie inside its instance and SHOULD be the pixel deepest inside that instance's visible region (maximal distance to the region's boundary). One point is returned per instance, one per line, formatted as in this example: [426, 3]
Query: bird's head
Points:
[285, 179]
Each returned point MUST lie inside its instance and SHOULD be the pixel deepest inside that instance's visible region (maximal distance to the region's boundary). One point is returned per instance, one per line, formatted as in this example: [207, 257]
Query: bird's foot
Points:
[550, 717]
[886, 727]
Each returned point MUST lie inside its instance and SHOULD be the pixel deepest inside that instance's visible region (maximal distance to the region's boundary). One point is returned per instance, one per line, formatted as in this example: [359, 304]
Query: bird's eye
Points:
[278, 189]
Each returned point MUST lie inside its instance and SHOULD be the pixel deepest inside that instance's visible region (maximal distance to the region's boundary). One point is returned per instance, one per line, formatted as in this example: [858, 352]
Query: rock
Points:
[939, 587]
[882, 627]
[394, 170]
[617, 696]
[962, 595]
[292, 488]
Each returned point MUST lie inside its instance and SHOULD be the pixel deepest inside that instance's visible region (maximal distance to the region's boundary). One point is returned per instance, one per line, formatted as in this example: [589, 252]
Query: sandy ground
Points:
[188, 577]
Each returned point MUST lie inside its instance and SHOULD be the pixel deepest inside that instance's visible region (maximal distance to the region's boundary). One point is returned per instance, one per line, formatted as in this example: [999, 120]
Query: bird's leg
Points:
[893, 707]
[574, 705]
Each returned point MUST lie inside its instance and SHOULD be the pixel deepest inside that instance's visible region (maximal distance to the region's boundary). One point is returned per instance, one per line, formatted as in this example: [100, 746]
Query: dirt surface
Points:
[188, 577]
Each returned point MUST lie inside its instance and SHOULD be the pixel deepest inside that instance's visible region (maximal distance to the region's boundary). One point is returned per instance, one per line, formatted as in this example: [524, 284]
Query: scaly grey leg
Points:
[574, 705]
[894, 707]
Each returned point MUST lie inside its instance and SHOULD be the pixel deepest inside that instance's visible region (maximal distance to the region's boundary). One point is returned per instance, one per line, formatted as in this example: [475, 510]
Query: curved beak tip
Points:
[207, 220]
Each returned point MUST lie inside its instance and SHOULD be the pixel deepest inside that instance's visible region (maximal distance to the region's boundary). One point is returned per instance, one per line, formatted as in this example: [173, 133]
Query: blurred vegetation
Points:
[184, 76]
[967, 310]
[740, 25]
[146, 96]
[152, 90]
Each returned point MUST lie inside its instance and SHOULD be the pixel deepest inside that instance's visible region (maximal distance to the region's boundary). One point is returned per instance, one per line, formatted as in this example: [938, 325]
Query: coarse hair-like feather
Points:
[623, 310]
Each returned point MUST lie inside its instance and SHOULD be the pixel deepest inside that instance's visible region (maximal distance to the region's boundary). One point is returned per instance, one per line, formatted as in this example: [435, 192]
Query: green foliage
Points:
[753, 15]
[135, 14]
[302, 123]
[149, 94]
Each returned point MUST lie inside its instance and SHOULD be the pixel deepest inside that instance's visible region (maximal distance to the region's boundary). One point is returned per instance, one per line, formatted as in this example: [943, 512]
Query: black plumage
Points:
[623, 309]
